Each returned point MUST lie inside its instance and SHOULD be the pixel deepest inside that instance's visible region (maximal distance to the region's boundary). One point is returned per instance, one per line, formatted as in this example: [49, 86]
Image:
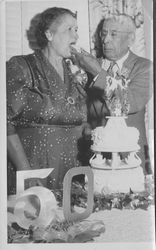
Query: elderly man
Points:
[117, 35]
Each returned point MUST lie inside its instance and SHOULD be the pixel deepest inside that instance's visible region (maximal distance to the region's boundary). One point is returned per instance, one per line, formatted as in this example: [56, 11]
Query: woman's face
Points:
[64, 34]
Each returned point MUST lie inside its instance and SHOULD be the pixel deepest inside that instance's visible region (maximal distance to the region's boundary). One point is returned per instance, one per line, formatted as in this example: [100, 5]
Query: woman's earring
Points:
[50, 39]
[49, 35]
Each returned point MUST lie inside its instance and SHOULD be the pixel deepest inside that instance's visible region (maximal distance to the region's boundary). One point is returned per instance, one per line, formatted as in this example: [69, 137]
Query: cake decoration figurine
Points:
[118, 174]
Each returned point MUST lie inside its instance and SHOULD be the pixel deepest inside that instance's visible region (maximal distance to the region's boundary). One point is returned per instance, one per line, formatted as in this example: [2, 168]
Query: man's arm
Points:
[86, 61]
[140, 85]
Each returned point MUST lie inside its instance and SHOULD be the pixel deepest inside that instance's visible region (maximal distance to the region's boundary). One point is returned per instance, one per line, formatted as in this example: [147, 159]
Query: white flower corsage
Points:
[125, 72]
[79, 75]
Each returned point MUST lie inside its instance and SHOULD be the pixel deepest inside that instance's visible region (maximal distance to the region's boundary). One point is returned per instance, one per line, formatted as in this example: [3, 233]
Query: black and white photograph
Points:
[77, 124]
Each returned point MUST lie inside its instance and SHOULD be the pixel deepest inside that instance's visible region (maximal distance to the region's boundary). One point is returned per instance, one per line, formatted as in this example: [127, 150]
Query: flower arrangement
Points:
[83, 231]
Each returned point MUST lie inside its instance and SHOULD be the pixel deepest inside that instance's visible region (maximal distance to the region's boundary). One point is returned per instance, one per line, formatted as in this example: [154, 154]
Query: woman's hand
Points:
[86, 61]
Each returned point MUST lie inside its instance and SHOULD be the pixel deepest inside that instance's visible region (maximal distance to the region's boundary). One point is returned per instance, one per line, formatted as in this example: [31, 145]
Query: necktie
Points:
[113, 69]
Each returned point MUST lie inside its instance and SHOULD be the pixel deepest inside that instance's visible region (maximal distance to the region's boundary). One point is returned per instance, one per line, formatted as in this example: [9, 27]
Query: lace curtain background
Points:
[99, 9]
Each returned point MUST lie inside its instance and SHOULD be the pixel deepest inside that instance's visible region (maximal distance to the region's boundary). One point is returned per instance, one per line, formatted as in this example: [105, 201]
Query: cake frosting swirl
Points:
[116, 136]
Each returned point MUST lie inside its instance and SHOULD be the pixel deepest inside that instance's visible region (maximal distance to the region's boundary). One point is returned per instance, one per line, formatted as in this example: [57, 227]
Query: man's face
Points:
[115, 40]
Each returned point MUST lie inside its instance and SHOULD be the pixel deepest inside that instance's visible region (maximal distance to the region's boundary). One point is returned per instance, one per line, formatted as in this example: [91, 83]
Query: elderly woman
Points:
[46, 102]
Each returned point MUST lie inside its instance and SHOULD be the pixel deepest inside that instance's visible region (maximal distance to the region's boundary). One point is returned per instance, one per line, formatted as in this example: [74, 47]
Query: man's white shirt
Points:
[106, 63]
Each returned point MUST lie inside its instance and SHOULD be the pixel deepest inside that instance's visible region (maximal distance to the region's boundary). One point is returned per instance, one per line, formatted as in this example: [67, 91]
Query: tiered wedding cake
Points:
[123, 171]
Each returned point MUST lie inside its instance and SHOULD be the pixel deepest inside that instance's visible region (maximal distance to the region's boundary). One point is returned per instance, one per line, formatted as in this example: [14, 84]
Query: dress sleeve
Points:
[21, 98]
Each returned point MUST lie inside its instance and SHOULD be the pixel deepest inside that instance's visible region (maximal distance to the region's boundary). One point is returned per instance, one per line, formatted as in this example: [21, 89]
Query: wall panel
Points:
[13, 29]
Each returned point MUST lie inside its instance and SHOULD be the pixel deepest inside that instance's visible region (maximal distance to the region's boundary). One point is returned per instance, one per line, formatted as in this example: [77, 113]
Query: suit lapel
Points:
[129, 64]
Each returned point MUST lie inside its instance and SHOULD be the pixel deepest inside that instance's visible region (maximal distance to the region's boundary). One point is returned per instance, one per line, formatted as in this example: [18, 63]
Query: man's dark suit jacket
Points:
[139, 92]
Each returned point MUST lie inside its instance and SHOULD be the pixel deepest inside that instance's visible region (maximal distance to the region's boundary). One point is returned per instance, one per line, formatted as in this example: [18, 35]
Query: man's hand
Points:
[86, 61]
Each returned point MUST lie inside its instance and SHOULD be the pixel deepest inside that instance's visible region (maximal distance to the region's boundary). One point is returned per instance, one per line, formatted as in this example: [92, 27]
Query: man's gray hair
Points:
[125, 21]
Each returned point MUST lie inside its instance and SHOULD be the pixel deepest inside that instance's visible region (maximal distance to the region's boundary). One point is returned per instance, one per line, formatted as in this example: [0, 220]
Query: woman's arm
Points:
[18, 157]
[17, 73]
[16, 153]
[19, 99]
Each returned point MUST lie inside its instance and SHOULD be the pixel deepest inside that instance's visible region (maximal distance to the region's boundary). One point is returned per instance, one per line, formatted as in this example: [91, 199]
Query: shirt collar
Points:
[106, 62]
[122, 60]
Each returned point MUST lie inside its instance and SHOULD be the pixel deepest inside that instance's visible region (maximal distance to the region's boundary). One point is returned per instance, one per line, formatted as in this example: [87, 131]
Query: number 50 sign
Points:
[48, 204]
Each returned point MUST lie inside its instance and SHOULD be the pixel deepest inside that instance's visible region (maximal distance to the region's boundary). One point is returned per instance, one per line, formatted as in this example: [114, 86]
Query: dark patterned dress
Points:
[47, 114]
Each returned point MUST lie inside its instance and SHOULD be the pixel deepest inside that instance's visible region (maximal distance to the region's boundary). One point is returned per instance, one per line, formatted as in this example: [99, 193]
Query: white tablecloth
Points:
[126, 225]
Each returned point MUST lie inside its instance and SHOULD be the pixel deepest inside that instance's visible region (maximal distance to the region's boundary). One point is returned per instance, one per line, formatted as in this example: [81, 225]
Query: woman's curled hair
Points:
[41, 23]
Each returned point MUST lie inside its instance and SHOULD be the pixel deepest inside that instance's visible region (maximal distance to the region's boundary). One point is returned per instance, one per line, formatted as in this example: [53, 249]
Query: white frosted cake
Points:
[115, 137]
[116, 174]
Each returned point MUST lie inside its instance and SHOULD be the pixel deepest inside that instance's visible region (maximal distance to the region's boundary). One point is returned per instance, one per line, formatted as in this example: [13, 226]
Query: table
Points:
[126, 225]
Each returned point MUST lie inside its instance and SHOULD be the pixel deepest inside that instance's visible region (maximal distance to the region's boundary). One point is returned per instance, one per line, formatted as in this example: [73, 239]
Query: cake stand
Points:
[117, 175]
